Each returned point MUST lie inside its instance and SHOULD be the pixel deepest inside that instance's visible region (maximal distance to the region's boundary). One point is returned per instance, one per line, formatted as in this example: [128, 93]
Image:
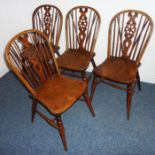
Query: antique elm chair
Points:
[30, 56]
[48, 19]
[82, 27]
[129, 34]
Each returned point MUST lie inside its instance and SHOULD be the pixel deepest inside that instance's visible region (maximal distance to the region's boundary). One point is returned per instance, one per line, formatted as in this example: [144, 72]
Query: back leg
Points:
[93, 87]
[34, 109]
[138, 81]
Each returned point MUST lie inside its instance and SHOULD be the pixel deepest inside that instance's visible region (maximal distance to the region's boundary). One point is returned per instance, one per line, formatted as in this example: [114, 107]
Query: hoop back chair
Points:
[82, 28]
[129, 34]
[26, 55]
[48, 19]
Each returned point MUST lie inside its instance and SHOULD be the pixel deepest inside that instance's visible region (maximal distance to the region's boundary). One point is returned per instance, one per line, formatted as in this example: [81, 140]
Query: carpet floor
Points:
[109, 133]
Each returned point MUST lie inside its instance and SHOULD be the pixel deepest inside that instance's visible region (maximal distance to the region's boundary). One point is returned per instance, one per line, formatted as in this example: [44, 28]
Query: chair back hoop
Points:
[129, 34]
[82, 28]
[31, 58]
[48, 19]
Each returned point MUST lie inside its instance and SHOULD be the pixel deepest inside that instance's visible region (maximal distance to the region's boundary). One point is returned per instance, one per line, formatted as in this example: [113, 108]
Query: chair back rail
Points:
[129, 33]
[48, 19]
[82, 27]
[30, 56]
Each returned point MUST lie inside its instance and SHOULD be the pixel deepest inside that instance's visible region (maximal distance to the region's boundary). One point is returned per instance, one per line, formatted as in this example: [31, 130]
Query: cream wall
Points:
[15, 16]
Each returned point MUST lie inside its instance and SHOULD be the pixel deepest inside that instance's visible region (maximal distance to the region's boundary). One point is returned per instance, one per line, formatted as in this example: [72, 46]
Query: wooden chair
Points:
[129, 34]
[82, 28]
[48, 19]
[26, 55]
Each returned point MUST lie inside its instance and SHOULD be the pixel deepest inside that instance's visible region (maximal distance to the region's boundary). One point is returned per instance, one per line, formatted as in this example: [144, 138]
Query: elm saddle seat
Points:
[117, 69]
[70, 91]
[30, 56]
[75, 60]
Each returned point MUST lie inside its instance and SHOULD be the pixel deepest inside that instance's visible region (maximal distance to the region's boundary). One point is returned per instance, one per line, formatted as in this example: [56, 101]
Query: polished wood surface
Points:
[48, 19]
[82, 28]
[114, 68]
[31, 57]
[62, 91]
[129, 34]
[73, 60]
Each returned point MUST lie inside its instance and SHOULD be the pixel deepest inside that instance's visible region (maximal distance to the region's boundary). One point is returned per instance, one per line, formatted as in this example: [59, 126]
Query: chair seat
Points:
[117, 69]
[60, 93]
[74, 60]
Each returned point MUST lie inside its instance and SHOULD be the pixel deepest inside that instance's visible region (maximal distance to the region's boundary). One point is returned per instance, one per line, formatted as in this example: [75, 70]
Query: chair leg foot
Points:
[88, 101]
[33, 110]
[129, 98]
[93, 87]
[61, 131]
